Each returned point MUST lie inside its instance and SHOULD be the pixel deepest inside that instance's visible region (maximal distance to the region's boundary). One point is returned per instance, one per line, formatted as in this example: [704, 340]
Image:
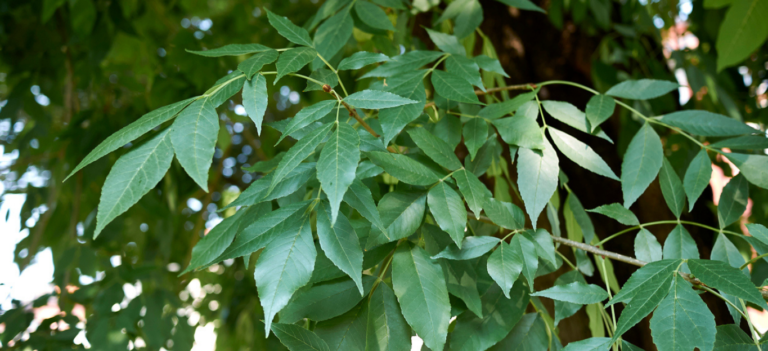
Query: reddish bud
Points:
[326, 88]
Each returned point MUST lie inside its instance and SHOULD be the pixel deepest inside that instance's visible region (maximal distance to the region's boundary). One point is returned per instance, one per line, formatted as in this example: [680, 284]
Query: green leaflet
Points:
[262, 231]
[697, 177]
[448, 128]
[401, 214]
[386, 329]
[257, 192]
[231, 50]
[642, 89]
[448, 210]
[193, 135]
[361, 59]
[724, 250]
[572, 116]
[530, 258]
[727, 279]
[404, 63]
[641, 164]
[672, 188]
[683, 321]
[408, 85]
[255, 99]
[537, 178]
[758, 231]
[591, 344]
[307, 116]
[472, 247]
[220, 237]
[475, 133]
[497, 110]
[288, 30]
[468, 19]
[461, 280]
[293, 60]
[323, 75]
[617, 212]
[298, 153]
[581, 153]
[753, 167]
[504, 214]
[680, 244]
[474, 191]
[530, 333]
[500, 315]
[746, 142]
[647, 297]
[375, 99]
[284, 266]
[337, 164]
[437, 149]
[578, 220]
[563, 309]
[332, 35]
[730, 337]
[373, 15]
[529, 109]
[133, 176]
[225, 88]
[254, 64]
[491, 65]
[447, 43]
[453, 87]
[706, 123]
[545, 247]
[327, 9]
[345, 332]
[647, 248]
[404, 168]
[742, 31]
[297, 338]
[395, 4]
[360, 198]
[733, 201]
[134, 130]
[576, 292]
[599, 109]
[642, 277]
[340, 244]
[325, 301]
[466, 68]
[420, 287]
[520, 131]
[522, 4]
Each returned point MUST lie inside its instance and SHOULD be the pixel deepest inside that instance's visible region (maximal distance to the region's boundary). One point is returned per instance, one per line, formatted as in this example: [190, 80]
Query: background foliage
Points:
[74, 72]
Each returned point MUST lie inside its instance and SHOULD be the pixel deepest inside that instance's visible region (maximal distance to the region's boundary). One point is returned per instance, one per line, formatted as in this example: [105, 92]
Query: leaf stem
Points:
[445, 56]
[755, 333]
[610, 295]
[334, 72]
[665, 222]
[753, 260]
[566, 260]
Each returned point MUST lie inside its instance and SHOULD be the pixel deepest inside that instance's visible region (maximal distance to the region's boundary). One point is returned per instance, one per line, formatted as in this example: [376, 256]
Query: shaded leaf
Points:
[727, 279]
[254, 63]
[361, 59]
[683, 321]
[255, 99]
[298, 153]
[325, 301]
[386, 329]
[401, 213]
[292, 60]
[706, 123]
[672, 188]
[420, 288]
[375, 99]
[448, 210]
[297, 338]
[520, 131]
[647, 248]
[231, 50]
[733, 201]
[453, 87]
[437, 149]
[340, 244]
[404, 168]
[537, 178]
[288, 30]
[472, 247]
[337, 164]
[193, 135]
[474, 191]
[641, 164]
[599, 109]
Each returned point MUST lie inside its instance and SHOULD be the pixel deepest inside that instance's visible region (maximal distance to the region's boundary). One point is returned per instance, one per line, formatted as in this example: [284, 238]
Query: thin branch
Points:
[597, 251]
[529, 86]
[351, 110]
